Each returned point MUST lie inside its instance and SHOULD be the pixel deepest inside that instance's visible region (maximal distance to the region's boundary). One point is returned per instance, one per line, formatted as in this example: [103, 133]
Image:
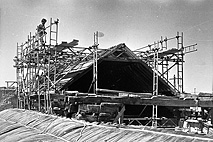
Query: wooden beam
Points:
[142, 101]
[120, 115]
[211, 114]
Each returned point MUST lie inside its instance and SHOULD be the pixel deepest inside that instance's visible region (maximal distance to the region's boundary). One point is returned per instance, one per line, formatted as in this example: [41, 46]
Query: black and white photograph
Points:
[106, 70]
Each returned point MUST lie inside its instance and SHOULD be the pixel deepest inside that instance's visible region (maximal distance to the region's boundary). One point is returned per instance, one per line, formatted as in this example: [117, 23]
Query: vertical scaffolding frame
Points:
[155, 83]
[169, 59]
[95, 63]
[18, 67]
[42, 66]
[179, 78]
[33, 62]
[164, 63]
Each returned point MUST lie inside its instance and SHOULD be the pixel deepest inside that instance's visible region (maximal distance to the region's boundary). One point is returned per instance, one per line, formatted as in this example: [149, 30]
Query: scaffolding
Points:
[42, 66]
[35, 65]
[170, 59]
[155, 82]
[160, 55]
[95, 63]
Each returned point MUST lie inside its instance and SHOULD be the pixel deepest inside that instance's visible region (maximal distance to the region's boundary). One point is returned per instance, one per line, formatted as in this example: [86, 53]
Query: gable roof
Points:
[118, 69]
[116, 52]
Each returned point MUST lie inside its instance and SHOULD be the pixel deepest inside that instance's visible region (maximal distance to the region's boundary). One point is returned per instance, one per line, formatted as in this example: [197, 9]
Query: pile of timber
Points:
[18, 125]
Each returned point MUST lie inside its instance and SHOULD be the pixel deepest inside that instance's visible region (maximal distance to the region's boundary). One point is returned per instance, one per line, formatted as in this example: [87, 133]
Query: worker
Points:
[41, 30]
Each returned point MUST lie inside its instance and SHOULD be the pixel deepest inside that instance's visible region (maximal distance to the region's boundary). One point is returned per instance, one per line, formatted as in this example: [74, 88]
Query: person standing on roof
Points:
[41, 30]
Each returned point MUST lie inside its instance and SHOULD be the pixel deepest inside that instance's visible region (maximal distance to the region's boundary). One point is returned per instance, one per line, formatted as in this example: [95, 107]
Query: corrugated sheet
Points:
[27, 126]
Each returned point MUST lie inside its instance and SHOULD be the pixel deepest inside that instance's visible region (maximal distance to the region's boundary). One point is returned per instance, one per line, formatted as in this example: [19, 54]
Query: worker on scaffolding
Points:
[41, 31]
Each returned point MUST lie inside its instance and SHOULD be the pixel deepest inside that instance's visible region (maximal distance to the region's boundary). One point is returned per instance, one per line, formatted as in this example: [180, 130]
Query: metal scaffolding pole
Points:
[155, 83]
[95, 64]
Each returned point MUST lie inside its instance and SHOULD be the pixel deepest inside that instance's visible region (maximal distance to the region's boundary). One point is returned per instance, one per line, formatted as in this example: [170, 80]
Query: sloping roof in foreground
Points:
[27, 126]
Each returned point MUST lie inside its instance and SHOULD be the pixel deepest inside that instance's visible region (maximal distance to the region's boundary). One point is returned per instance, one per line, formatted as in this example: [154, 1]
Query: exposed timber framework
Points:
[163, 59]
[35, 64]
[46, 70]
[42, 64]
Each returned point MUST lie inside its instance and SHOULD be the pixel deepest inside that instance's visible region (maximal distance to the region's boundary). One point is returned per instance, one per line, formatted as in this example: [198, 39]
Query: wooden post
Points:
[211, 114]
[202, 113]
[119, 117]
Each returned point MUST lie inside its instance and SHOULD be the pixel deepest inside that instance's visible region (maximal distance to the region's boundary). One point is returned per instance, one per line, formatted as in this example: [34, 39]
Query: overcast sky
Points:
[136, 23]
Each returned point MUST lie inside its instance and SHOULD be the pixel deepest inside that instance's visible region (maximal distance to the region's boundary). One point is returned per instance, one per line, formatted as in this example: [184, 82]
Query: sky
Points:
[136, 23]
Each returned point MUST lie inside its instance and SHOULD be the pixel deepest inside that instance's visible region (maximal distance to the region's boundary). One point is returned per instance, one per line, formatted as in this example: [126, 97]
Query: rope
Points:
[81, 131]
